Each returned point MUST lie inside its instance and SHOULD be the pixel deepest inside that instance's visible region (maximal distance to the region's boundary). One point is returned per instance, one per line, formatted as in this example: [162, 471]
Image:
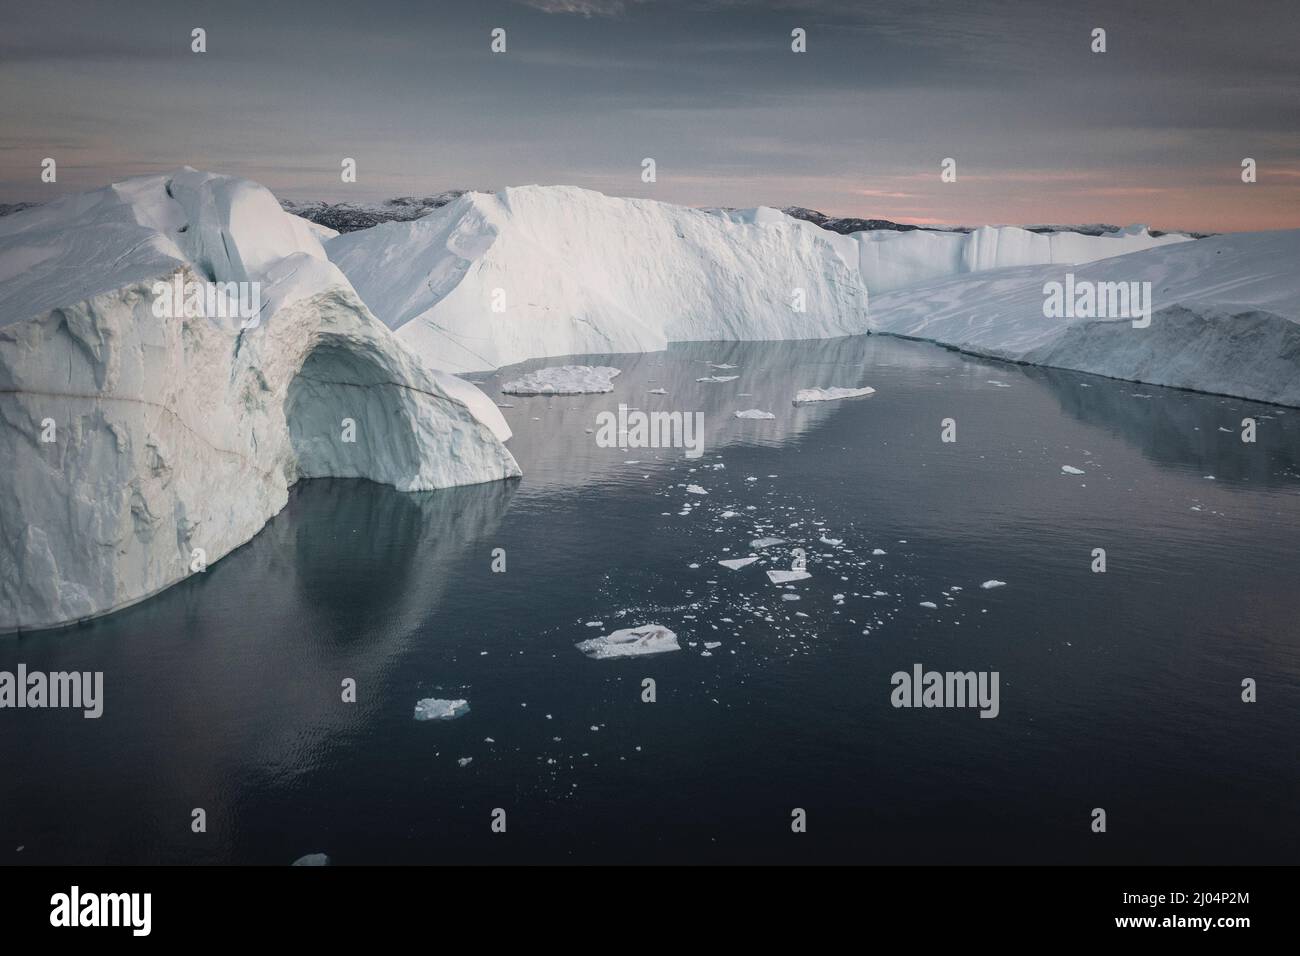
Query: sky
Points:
[1043, 130]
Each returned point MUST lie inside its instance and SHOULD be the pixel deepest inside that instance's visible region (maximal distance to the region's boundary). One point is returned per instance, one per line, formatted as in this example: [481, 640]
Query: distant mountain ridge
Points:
[344, 217]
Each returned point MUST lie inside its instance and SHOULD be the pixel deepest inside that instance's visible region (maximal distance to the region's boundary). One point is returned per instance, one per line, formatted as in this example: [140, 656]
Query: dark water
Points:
[1119, 690]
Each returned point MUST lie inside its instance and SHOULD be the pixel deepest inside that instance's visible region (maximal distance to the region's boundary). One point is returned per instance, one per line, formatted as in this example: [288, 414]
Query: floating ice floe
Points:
[631, 642]
[765, 542]
[723, 365]
[1071, 470]
[877, 551]
[928, 604]
[695, 490]
[806, 396]
[431, 708]
[785, 577]
[755, 413]
[736, 564]
[658, 391]
[312, 859]
[718, 378]
[994, 382]
[993, 583]
[833, 542]
[564, 380]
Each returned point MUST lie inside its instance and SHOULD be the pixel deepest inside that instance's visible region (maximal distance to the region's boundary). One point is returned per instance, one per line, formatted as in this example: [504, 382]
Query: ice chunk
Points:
[631, 642]
[695, 490]
[993, 583]
[718, 378]
[1071, 470]
[785, 577]
[807, 396]
[564, 380]
[312, 859]
[765, 542]
[432, 708]
[755, 413]
[737, 563]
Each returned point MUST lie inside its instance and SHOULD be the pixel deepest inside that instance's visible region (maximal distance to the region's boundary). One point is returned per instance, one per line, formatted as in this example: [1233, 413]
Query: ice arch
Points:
[348, 419]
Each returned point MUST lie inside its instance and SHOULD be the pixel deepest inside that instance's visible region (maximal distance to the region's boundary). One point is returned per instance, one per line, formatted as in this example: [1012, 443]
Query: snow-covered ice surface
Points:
[807, 396]
[631, 642]
[176, 439]
[564, 380]
[434, 708]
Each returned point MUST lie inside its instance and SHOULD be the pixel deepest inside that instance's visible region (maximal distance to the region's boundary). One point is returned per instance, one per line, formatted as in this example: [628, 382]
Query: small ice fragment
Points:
[695, 490]
[631, 642]
[735, 564]
[784, 577]
[432, 708]
[928, 604]
[1071, 470]
[564, 380]
[465, 761]
[993, 583]
[755, 413]
[806, 396]
[765, 542]
[718, 378]
[878, 551]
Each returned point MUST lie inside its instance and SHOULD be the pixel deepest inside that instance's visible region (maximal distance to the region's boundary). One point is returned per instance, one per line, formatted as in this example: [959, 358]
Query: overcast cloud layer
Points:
[1043, 130]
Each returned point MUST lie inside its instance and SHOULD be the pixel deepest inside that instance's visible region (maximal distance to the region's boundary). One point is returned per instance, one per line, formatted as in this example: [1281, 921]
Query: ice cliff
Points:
[139, 448]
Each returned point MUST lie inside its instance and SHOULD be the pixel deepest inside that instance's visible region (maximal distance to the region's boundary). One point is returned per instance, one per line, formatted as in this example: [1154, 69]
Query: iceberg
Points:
[1225, 317]
[631, 642]
[145, 438]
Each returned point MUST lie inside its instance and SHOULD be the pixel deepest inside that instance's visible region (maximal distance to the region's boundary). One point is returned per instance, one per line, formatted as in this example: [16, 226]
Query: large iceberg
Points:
[534, 271]
[1225, 316]
[142, 444]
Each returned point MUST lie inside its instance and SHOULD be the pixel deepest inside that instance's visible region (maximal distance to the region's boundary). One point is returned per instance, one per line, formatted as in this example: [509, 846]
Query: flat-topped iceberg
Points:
[631, 642]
